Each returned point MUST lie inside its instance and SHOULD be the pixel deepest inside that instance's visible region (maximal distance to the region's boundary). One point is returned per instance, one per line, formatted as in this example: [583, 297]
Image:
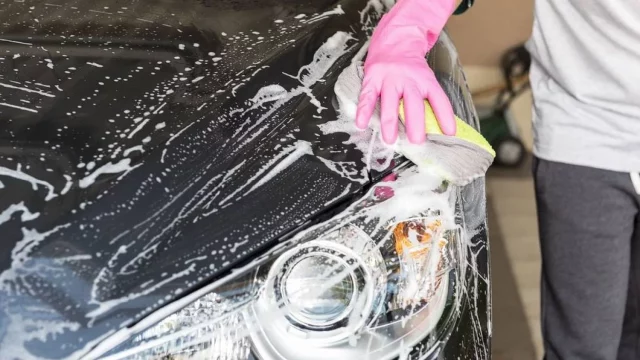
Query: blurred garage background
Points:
[482, 36]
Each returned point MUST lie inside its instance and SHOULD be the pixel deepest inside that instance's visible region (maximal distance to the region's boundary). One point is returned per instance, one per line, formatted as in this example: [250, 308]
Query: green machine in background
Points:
[501, 132]
[497, 124]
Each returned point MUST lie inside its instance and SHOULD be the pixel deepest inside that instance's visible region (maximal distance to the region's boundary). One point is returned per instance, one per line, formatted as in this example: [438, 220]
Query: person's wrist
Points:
[395, 40]
[430, 14]
[391, 63]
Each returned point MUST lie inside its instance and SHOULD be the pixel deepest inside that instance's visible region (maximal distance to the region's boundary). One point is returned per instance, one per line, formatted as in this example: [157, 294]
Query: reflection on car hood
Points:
[150, 146]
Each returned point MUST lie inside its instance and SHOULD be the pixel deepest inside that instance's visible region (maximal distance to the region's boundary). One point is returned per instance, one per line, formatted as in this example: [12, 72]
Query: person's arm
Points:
[395, 69]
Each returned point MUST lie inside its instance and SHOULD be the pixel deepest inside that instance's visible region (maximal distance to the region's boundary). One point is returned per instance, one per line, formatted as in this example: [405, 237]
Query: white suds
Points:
[68, 185]
[337, 11]
[18, 174]
[138, 128]
[178, 134]
[301, 148]
[132, 149]
[19, 107]
[43, 93]
[109, 168]
[14, 208]
[16, 42]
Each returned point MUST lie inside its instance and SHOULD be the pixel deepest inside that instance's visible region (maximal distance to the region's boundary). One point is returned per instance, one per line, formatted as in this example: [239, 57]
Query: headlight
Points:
[376, 282]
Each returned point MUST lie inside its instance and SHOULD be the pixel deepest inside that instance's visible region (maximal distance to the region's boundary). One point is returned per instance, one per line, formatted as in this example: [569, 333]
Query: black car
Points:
[177, 181]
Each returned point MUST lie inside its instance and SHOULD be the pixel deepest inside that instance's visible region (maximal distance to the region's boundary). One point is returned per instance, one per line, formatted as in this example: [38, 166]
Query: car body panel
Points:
[149, 147]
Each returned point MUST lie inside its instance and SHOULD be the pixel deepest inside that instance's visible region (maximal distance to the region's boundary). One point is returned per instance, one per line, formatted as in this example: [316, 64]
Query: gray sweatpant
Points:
[590, 244]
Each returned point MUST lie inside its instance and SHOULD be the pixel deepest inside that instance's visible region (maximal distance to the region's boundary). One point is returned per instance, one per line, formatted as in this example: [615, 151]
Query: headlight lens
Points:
[374, 281]
[319, 309]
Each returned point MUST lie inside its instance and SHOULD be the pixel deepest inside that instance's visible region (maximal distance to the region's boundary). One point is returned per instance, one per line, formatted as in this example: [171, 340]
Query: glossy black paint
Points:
[100, 78]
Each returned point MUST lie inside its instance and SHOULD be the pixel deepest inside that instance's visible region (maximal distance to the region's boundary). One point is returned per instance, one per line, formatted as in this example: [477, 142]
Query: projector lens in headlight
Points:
[319, 308]
[328, 306]
[373, 282]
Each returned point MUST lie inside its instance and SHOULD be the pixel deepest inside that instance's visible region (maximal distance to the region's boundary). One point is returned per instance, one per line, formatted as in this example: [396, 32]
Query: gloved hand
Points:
[396, 68]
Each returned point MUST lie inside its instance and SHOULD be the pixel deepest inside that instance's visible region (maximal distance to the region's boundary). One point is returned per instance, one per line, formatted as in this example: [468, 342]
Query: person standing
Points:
[585, 78]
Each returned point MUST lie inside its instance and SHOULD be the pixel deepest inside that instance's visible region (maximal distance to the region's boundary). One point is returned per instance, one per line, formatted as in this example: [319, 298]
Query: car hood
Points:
[150, 147]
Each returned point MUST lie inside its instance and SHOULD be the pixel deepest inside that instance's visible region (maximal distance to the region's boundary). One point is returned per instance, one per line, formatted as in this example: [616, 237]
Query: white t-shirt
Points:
[585, 77]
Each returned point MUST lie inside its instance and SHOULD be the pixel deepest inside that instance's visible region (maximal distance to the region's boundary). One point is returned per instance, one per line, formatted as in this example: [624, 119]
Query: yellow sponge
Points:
[459, 159]
[464, 131]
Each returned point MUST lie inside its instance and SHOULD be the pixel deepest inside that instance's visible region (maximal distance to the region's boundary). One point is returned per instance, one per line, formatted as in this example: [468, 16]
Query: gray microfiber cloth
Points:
[458, 159]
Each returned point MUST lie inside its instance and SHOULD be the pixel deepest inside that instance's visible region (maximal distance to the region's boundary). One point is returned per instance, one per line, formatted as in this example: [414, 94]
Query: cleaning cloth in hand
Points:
[459, 159]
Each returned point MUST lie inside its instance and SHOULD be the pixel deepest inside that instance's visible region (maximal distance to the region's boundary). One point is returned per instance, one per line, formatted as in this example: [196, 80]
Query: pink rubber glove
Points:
[396, 69]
